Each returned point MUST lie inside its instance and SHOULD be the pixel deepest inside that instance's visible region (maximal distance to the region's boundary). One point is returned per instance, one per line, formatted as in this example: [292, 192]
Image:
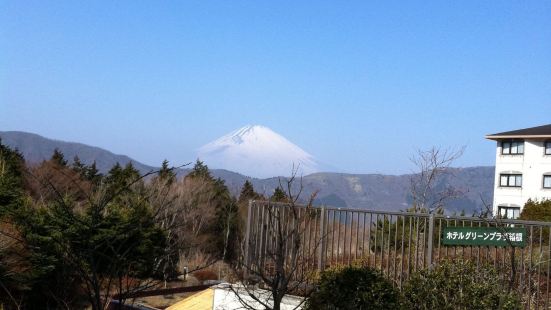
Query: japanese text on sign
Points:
[491, 236]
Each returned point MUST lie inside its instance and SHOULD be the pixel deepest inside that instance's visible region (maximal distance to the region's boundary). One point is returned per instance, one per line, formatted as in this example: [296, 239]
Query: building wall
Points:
[533, 164]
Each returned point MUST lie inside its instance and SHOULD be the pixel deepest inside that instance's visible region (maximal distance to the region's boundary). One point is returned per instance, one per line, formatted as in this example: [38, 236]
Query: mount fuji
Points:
[259, 152]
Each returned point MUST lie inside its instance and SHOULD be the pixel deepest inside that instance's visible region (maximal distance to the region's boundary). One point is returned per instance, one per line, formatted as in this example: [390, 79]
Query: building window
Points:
[547, 181]
[547, 147]
[509, 212]
[512, 147]
[510, 180]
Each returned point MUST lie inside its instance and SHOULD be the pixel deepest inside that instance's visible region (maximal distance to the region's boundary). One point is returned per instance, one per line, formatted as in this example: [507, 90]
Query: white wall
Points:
[533, 164]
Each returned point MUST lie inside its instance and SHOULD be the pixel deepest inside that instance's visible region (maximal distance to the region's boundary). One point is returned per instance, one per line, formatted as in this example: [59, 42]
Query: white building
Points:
[523, 168]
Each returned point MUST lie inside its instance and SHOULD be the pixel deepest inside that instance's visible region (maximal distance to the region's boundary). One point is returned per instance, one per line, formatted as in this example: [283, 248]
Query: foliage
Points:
[353, 287]
[457, 285]
[97, 243]
[205, 274]
[13, 266]
[247, 193]
[119, 179]
[69, 234]
[89, 173]
[279, 195]
[58, 158]
[216, 194]
[166, 173]
[200, 170]
[536, 210]
[11, 178]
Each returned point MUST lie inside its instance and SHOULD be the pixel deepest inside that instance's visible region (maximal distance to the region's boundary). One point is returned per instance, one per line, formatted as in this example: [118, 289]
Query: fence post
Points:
[430, 246]
[248, 233]
[322, 240]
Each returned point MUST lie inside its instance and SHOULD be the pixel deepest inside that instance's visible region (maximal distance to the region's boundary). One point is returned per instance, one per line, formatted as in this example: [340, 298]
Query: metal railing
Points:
[397, 243]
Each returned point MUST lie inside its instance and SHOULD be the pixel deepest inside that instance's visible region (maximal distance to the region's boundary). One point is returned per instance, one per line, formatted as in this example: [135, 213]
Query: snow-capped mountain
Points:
[259, 152]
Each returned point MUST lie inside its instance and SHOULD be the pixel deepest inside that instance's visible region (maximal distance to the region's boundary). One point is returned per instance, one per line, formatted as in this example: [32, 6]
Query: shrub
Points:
[458, 285]
[205, 274]
[353, 287]
[536, 210]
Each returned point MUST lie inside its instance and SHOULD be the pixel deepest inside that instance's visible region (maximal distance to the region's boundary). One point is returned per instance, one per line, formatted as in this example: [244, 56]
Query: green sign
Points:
[485, 236]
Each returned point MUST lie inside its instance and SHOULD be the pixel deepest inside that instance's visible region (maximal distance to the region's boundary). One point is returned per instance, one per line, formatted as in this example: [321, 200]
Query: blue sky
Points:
[359, 84]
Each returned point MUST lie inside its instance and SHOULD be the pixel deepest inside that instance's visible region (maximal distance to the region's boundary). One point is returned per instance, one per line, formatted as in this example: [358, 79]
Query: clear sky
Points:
[358, 84]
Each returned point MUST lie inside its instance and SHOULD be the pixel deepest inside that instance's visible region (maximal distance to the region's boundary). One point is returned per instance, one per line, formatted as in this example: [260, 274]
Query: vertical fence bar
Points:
[409, 243]
[417, 243]
[397, 226]
[388, 245]
[382, 241]
[369, 238]
[322, 241]
[357, 235]
[439, 238]
[345, 234]
[530, 265]
[248, 233]
[548, 270]
[363, 234]
[402, 258]
[375, 241]
[333, 236]
[339, 225]
[538, 292]
[429, 247]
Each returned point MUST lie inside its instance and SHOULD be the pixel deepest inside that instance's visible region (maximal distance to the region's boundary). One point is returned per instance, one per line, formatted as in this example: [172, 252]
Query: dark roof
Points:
[535, 132]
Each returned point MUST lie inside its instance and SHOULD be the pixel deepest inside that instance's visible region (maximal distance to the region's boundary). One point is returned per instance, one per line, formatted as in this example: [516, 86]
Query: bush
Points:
[458, 285]
[537, 210]
[353, 287]
[205, 274]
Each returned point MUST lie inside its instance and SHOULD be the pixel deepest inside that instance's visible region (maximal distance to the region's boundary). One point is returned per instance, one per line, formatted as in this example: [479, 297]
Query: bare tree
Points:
[282, 254]
[185, 211]
[432, 165]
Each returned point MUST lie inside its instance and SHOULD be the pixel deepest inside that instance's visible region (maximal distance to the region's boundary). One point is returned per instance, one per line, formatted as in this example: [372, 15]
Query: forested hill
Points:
[36, 148]
[367, 191]
[378, 191]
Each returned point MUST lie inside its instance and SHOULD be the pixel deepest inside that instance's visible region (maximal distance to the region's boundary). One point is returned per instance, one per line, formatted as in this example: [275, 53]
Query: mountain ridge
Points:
[346, 190]
[36, 148]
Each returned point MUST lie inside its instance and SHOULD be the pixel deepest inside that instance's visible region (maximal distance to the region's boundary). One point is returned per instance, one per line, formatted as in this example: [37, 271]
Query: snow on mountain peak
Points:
[257, 151]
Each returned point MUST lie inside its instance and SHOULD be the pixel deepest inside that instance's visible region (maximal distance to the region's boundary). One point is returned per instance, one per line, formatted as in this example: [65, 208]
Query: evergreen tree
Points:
[279, 195]
[247, 193]
[78, 166]
[200, 170]
[166, 173]
[92, 173]
[11, 179]
[119, 178]
[59, 158]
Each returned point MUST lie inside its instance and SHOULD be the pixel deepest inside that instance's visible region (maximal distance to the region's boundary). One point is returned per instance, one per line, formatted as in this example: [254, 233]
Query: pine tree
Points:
[166, 173]
[279, 195]
[59, 158]
[200, 170]
[78, 166]
[12, 165]
[247, 193]
[118, 177]
[92, 173]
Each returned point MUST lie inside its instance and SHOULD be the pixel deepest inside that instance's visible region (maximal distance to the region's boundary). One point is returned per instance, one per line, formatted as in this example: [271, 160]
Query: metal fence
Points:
[397, 243]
